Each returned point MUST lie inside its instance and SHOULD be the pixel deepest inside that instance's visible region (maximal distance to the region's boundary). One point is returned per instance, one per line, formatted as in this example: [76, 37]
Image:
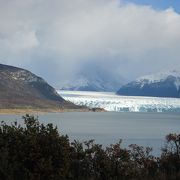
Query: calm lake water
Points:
[147, 129]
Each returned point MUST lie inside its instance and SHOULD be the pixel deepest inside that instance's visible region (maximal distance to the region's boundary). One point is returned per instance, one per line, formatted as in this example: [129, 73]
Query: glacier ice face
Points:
[112, 102]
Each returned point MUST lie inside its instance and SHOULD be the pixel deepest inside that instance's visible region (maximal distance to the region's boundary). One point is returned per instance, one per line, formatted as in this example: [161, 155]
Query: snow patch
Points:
[23, 75]
[177, 83]
[158, 77]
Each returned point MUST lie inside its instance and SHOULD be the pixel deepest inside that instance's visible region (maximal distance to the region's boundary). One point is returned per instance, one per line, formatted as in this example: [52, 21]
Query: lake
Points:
[147, 129]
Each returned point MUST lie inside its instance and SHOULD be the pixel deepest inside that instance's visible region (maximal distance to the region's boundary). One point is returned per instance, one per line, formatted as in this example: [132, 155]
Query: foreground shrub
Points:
[33, 152]
[37, 152]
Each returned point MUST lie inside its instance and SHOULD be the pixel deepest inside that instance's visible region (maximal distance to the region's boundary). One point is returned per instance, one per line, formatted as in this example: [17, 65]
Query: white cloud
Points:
[20, 41]
[61, 36]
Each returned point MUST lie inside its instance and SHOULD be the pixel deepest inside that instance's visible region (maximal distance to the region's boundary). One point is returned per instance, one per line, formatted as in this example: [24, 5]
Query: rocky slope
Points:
[20, 88]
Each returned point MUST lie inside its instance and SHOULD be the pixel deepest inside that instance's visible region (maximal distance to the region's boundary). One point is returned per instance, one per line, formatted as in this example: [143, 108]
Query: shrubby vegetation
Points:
[36, 151]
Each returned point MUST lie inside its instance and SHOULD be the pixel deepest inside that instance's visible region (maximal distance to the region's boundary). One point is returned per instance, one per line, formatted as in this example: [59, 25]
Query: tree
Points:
[34, 151]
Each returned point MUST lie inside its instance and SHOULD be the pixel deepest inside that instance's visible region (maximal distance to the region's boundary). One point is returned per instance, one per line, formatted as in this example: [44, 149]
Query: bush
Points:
[35, 151]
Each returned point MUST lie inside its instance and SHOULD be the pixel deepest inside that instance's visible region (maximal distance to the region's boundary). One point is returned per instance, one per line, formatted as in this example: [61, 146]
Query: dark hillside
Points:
[20, 88]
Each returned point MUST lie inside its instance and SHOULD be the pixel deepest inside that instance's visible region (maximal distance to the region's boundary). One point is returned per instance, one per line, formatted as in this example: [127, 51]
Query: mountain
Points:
[20, 88]
[163, 84]
[95, 81]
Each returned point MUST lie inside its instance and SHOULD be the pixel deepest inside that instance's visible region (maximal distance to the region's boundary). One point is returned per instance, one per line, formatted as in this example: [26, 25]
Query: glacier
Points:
[112, 102]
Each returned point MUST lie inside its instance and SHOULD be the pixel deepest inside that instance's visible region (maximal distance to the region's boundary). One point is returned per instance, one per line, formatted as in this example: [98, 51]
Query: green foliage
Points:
[36, 152]
[33, 152]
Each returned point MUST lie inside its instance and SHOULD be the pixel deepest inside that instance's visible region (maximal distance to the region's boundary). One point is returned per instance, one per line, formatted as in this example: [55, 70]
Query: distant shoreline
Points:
[42, 111]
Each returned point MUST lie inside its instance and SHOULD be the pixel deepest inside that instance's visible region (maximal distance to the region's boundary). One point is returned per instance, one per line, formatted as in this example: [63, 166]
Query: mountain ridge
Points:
[19, 88]
[162, 84]
[95, 81]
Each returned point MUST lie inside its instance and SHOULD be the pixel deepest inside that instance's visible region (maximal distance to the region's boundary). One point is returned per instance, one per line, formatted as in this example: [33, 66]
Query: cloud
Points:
[59, 38]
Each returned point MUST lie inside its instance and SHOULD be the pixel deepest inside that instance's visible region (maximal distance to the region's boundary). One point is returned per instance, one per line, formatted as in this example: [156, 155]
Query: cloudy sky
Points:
[57, 39]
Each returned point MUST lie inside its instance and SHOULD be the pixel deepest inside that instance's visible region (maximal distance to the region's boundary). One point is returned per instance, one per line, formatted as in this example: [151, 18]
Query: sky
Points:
[57, 39]
[158, 4]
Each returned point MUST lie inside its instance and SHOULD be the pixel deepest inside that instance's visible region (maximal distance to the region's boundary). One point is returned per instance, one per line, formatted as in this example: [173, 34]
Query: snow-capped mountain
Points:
[95, 81]
[162, 84]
